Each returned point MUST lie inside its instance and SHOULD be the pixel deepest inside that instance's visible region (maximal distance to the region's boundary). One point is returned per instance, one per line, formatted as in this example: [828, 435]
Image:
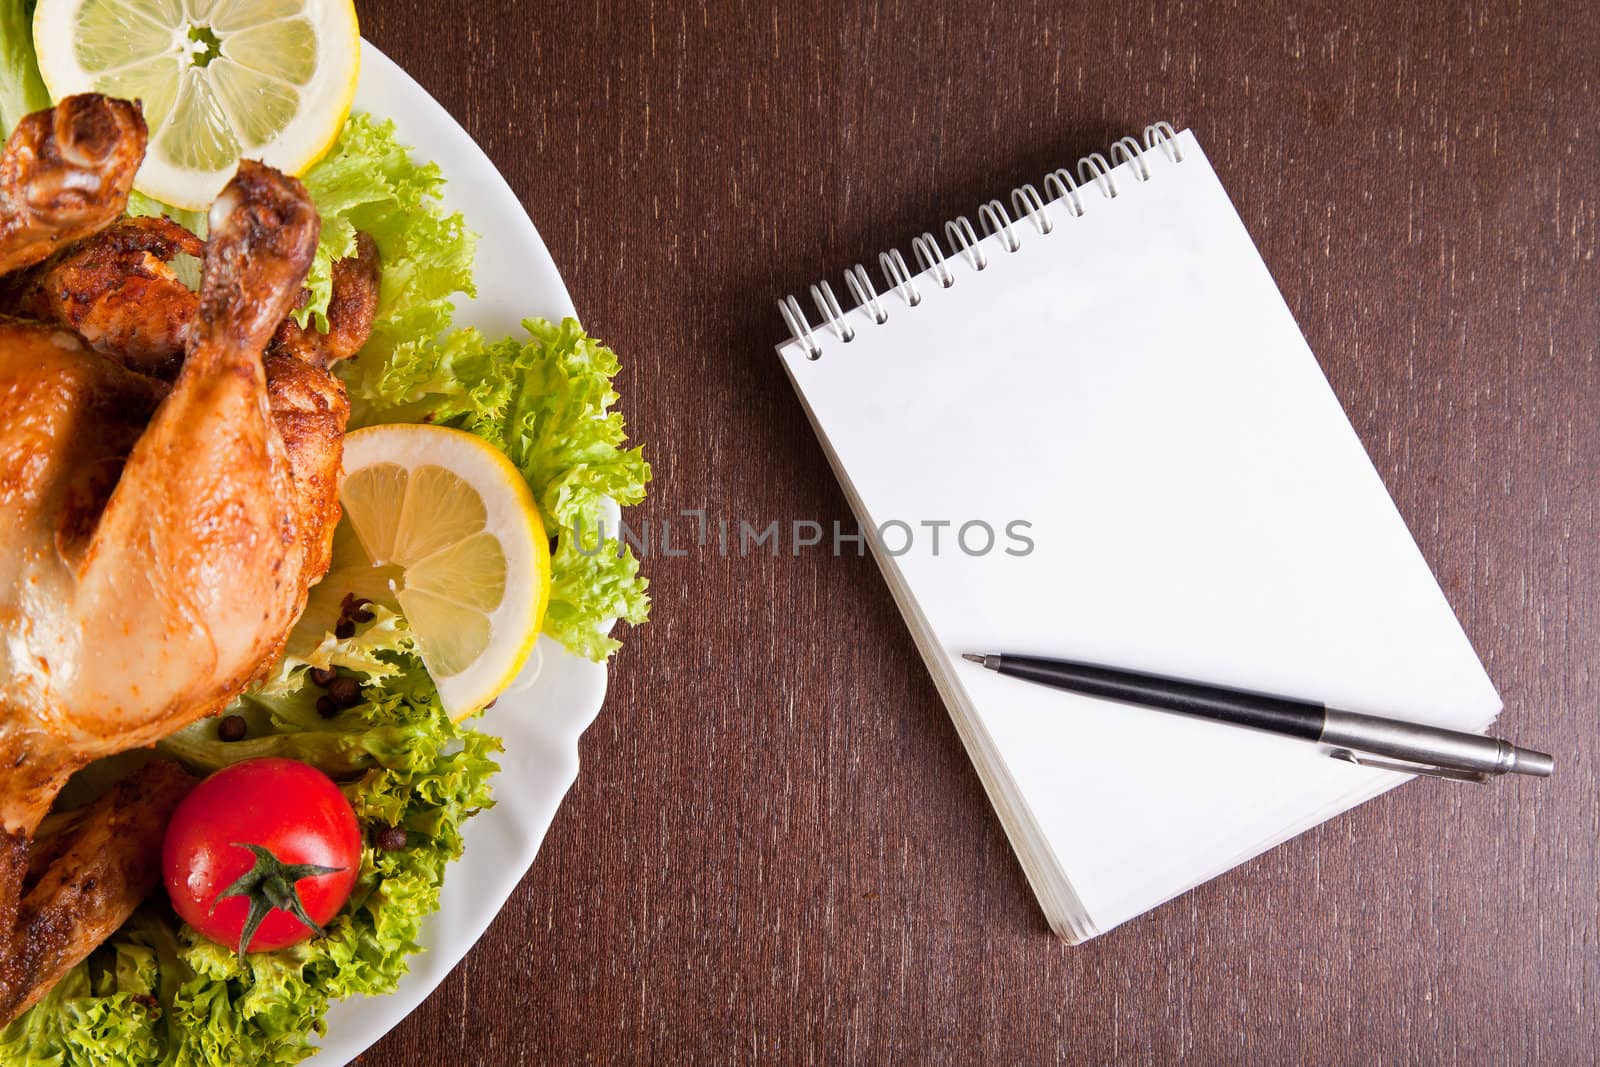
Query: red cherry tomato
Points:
[241, 842]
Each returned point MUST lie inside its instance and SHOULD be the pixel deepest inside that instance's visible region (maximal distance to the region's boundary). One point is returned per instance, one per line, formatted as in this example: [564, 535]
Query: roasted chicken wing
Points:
[119, 292]
[66, 172]
[100, 869]
[351, 308]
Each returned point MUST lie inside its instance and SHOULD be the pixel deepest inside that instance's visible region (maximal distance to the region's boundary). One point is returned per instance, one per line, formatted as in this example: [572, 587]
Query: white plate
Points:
[541, 724]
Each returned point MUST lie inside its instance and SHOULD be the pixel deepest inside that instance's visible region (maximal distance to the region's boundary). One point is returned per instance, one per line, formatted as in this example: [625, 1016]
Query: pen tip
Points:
[973, 656]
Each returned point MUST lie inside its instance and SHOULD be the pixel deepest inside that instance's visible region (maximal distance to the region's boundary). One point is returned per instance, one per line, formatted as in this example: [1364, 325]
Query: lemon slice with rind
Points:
[219, 80]
[440, 524]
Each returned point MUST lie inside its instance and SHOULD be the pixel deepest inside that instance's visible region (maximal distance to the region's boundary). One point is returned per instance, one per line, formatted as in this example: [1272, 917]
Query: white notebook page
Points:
[1134, 387]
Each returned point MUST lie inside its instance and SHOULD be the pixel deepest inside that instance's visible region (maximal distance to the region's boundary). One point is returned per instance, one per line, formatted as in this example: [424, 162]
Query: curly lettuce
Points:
[369, 182]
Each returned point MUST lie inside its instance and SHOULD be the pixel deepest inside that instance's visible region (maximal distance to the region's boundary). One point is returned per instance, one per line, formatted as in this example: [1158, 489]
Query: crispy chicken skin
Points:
[66, 173]
[101, 868]
[310, 411]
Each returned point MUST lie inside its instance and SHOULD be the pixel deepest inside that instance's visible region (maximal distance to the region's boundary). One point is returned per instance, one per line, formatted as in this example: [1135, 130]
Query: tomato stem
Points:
[269, 885]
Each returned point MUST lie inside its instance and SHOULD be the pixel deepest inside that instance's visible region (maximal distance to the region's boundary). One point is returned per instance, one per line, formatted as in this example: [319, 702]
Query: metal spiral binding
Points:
[1094, 173]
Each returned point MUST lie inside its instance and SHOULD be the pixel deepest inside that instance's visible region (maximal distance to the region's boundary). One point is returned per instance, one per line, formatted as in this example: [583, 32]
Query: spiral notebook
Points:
[1104, 377]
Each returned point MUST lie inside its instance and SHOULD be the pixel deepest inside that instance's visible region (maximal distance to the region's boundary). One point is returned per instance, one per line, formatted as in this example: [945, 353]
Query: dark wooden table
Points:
[777, 850]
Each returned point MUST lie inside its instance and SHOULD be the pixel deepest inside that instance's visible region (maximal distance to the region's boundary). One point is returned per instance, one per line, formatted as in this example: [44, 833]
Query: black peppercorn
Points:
[326, 707]
[390, 838]
[345, 629]
[322, 677]
[231, 728]
[352, 604]
[345, 692]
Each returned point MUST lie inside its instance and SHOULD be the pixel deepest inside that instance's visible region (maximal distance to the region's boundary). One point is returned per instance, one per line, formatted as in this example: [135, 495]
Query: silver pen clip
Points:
[1404, 767]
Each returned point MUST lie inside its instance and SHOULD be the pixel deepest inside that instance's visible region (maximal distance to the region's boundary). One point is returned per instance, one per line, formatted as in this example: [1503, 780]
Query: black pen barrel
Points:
[1261, 711]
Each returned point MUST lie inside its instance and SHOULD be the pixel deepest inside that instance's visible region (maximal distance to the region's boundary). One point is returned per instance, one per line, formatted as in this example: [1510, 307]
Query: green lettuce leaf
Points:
[369, 182]
[546, 402]
[157, 993]
[21, 88]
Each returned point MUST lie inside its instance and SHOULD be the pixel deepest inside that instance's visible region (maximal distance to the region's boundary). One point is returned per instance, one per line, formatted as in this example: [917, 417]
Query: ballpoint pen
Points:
[1367, 740]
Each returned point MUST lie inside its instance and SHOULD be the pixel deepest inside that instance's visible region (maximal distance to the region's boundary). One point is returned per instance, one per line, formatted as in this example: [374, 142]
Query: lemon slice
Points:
[441, 525]
[219, 79]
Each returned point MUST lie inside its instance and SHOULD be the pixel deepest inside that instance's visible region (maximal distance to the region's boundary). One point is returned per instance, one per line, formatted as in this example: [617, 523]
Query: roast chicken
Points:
[168, 490]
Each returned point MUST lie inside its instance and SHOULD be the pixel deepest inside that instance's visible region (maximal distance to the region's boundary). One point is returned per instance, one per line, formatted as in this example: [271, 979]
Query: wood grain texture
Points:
[777, 851]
